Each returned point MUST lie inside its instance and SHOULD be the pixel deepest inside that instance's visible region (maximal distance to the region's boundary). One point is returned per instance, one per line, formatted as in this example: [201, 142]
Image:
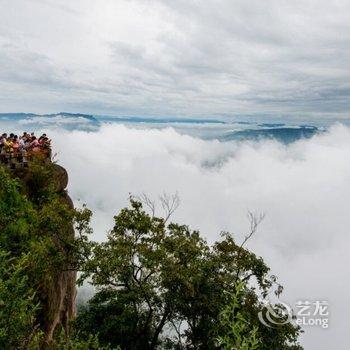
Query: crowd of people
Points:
[14, 148]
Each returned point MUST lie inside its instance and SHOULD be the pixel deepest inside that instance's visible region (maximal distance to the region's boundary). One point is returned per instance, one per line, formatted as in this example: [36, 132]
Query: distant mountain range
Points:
[224, 131]
[21, 116]
[282, 134]
[97, 118]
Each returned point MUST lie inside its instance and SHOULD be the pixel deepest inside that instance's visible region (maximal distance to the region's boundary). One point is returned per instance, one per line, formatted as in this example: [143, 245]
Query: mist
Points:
[303, 189]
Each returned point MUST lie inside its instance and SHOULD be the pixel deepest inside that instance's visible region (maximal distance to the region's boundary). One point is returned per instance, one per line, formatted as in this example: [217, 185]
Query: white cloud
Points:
[303, 188]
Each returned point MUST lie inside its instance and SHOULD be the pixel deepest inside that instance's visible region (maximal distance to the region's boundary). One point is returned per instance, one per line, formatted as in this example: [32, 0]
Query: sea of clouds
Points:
[303, 188]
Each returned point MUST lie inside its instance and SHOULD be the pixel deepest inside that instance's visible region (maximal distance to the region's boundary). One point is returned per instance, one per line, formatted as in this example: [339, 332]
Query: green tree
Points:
[37, 223]
[76, 342]
[159, 285]
[162, 286]
[17, 303]
[238, 334]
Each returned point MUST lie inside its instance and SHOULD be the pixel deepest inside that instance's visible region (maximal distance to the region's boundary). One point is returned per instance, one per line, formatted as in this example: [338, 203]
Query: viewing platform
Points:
[14, 161]
[17, 152]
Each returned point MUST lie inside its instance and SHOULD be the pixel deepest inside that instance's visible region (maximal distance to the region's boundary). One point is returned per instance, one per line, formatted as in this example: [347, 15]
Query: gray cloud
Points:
[180, 58]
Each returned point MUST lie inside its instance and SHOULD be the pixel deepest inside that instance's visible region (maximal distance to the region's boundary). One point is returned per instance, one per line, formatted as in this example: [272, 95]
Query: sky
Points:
[226, 58]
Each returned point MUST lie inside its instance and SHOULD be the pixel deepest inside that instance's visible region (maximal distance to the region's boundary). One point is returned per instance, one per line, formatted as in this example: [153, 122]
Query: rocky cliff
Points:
[57, 297]
[61, 299]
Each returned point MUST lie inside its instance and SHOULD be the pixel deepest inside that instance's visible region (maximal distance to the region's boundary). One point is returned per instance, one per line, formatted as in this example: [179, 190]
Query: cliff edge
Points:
[57, 294]
[61, 304]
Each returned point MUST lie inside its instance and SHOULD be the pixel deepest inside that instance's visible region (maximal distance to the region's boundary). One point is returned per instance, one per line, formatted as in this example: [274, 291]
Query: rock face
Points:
[58, 298]
[60, 178]
[61, 305]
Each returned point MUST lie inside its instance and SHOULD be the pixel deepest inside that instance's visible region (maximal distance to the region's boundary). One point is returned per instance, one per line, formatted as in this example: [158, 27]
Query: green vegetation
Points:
[158, 285]
[37, 245]
[17, 305]
[237, 332]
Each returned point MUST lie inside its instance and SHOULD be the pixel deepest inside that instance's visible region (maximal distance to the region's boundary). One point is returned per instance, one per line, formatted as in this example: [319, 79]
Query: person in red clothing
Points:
[34, 144]
[15, 146]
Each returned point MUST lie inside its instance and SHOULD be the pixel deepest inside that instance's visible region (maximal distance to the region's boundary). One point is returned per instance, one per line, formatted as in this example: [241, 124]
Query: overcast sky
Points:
[222, 58]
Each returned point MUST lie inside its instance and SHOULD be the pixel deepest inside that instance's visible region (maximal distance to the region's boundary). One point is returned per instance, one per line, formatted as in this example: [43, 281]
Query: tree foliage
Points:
[37, 236]
[159, 285]
[162, 286]
[17, 303]
[238, 334]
